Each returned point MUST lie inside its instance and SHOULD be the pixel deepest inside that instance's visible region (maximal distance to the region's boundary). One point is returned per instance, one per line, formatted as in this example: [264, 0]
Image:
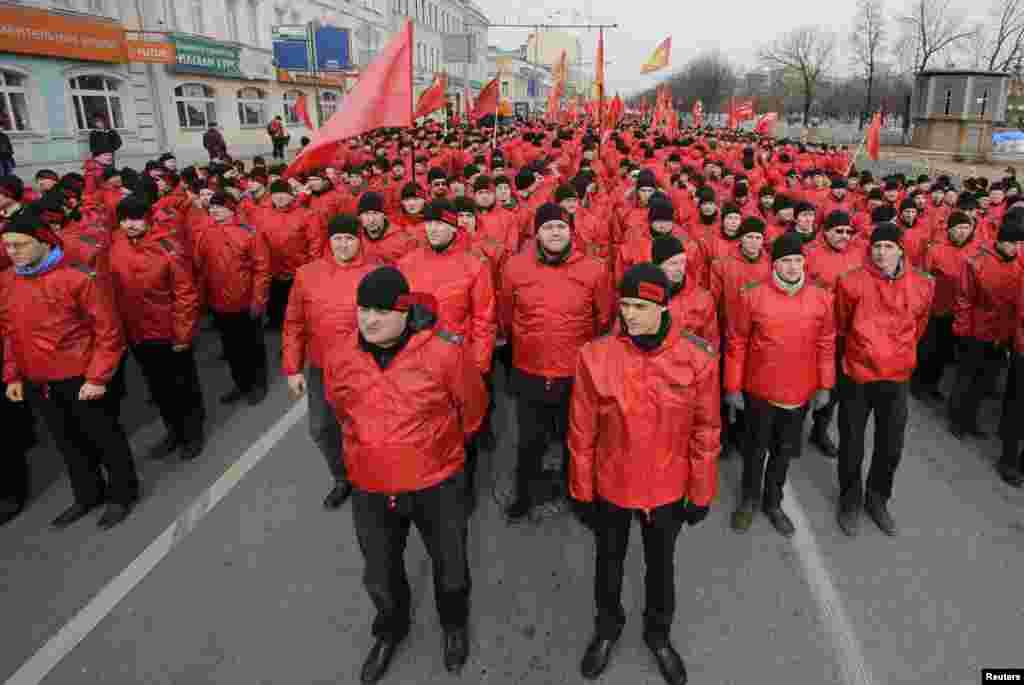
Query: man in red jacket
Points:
[881, 313]
[384, 242]
[644, 438]
[406, 458]
[321, 311]
[691, 306]
[552, 300]
[63, 348]
[159, 304]
[777, 320]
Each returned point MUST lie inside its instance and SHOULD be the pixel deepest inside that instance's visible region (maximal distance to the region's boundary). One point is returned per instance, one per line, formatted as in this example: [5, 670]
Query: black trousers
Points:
[935, 352]
[277, 301]
[539, 424]
[825, 414]
[279, 144]
[611, 532]
[980, 363]
[244, 347]
[91, 440]
[382, 526]
[173, 381]
[777, 433]
[19, 436]
[857, 401]
[1011, 424]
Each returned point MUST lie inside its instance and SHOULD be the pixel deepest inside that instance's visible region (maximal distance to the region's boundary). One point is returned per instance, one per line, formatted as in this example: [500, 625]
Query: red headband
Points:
[649, 291]
[404, 302]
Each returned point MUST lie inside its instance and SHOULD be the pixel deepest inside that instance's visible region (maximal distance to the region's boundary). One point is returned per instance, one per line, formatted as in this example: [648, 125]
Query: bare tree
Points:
[1001, 39]
[708, 77]
[807, 51]
[867, 43]
[931, 29]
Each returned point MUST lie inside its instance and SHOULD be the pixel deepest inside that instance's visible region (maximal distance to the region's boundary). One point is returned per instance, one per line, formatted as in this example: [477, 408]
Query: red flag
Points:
[487, 100]
[873, 140]
[766, 123]
[302, 112]
[745, 110]
[382, 98]
[433, 98]
[698, 114]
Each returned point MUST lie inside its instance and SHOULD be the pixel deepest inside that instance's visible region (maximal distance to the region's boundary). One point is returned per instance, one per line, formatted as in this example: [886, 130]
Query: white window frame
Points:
[330, 103]
[208, 105]
[256, 100]
[6, 93]
[82, 123]
[196, 16]
[254, 21]
[231, 19]
[290, 118]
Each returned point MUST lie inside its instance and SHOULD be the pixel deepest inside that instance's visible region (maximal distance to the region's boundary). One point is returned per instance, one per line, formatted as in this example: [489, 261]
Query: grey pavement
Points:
[267, 588]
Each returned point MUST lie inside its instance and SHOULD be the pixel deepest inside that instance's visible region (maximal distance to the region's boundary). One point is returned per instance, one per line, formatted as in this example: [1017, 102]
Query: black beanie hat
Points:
[967, 202]
[661, 210]
[646, 179]
[883, 214]
[581, 183]
[730, 208]
[371, 202]
[766, 191]
[645, 281]
[383, 288]
[875, 194]
[908, 203]
[564, 192]
[705, 194]
[839, 182]
[549, 211]
[1011, 231]
[441, 210]
[787, 244]
[436, 174]
[837, 218]
[782, 202]
[483, 183]
[343, 223]
[280, 186]
[665, 247]
[802, 207]
[411, 189]
[28, 222]
[887, 231]
[958, 218]
[132, 207]
[465, 205]
[751, 224]
[524, 179]
[12, 186]
[223, 199]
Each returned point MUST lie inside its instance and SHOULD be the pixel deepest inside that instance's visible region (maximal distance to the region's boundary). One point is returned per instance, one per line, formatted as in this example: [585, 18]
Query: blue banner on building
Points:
[332, 49]
[291, 54]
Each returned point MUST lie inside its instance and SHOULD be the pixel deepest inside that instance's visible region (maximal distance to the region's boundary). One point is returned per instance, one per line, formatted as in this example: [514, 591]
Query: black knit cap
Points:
[967, 202]
[441, 210]
[524, 179]
[371, 202]
[908, 203]
[1011, 231]
[645, 282]
[646, 179]
[887, 231]
[280, 186]
[839, 182]
[883, 214]
[465, 205]
[751, 224]
[660, 210]
[12, 186]
[958, 219]
[730, 208]
[132, 207]
[411, 189]
[837, 218]
[436, 174]
[382, 288]
[705, 194]
[782, 202]
[343, 223]
[550, 211]
[222, 199]
[802, 207]
[483, 183]
[766, 191]
[666, 247]
[787, 244]
[565, 192]
[28, 222]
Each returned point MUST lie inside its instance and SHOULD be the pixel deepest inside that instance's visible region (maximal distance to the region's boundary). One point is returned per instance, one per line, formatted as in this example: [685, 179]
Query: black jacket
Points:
[104, 141]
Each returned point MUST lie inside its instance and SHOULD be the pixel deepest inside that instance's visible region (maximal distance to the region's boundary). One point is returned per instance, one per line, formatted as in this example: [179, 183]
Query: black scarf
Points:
[651, 341]
[553, 260]
[707, 220]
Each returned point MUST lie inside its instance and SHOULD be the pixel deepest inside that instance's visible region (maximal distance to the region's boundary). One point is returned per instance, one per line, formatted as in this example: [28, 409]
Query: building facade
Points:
[525, 84]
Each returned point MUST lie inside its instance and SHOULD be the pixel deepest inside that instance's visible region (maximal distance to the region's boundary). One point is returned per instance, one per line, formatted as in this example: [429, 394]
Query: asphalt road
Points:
[267, 587]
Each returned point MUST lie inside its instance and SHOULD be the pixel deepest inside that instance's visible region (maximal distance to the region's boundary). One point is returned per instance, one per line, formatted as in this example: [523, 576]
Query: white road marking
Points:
[81, 624]
[849, 654]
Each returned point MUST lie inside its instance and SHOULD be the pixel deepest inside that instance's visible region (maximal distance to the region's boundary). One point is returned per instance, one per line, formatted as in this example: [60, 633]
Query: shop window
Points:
[329, 101]
[14, 114]
[196, 105]
[252, 107]
[97, 96]
[290, 116]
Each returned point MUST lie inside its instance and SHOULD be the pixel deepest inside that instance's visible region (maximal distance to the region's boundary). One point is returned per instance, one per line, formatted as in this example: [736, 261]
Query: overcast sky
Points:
[734, 27]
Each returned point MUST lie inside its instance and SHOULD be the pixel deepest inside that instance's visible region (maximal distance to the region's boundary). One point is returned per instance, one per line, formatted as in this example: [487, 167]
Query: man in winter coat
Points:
[322, 311]
[104, 140]
[881, 313]
[384, 242]
[644, 433]
[63, 347]
[214, 143]
[779, 319]
[691, 306]
[407, 397]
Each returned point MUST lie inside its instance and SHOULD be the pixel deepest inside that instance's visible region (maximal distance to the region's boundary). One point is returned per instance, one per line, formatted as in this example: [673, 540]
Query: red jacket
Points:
[637, 250]
[881, 320]
[84, 244]
[945, 262]
[461, 281]
[155, 290]
[404, 427]
[321, 310]
[292, 237]
[645, 427]
[987, 294]
[771, 328]
[59, 324]
[826, 264]
[694, 310]
[727, 277]
[227, 264]
[392, 246]
[550, 311]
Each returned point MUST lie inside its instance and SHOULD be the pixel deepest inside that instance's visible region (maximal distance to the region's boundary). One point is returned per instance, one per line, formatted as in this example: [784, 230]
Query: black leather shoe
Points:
[518, 509]
[849, 521]
[165, 448]
[72, 514]
[1010, 476]
[191, 450]
[781, 521]
[234, 396]
[670, 664]
[113, 515]
[878, 510]
[377, 661]
[256, 395]
[456, 649]
[821, 440]
[596, 658]
[976, 432]
[337, 496]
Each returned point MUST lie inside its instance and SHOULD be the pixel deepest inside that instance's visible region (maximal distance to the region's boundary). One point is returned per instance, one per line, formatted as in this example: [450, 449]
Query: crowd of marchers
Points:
[653, 302]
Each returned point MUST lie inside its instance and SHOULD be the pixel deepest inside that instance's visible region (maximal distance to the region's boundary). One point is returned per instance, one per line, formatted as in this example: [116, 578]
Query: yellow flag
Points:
[659, 59]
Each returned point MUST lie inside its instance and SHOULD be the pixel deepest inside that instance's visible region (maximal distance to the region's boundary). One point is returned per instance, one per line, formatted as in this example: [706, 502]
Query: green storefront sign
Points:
[200, 56]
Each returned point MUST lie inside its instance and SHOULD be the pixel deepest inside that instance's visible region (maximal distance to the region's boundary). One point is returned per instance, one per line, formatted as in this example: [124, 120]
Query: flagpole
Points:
[600, 94]
[412, 107]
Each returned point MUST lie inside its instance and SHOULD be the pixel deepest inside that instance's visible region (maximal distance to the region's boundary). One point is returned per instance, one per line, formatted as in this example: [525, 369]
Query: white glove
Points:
[734, 400]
